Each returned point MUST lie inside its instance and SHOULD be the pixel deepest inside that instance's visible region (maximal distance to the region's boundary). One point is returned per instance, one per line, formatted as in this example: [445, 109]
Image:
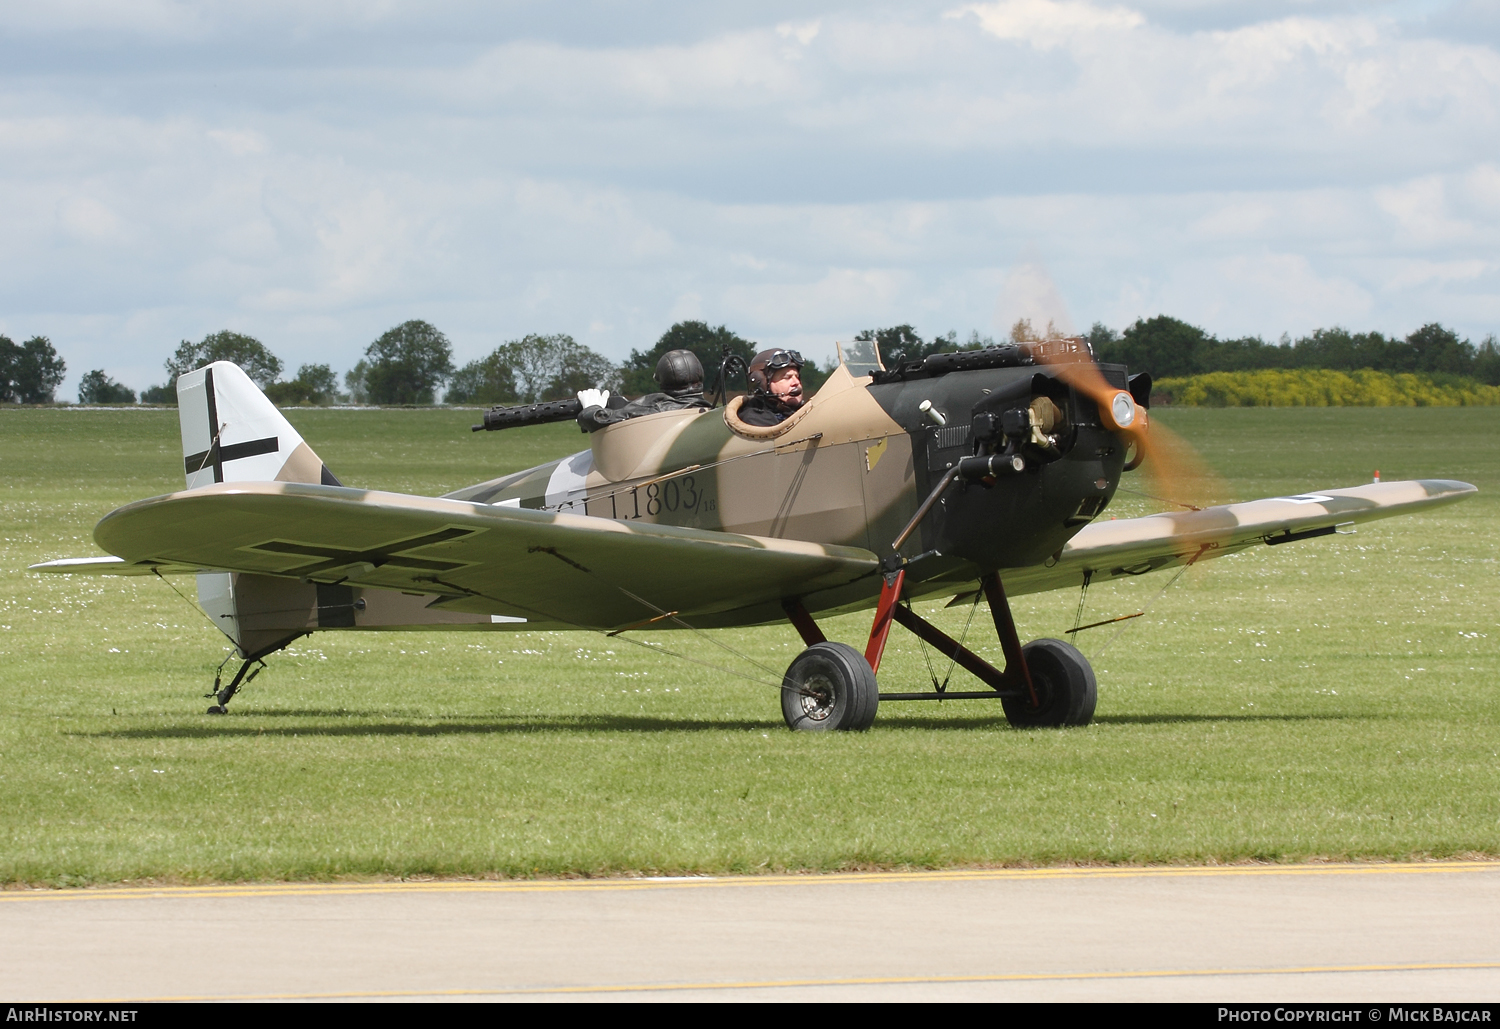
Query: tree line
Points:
[410, 364]
[413, 362]
[1170, 348]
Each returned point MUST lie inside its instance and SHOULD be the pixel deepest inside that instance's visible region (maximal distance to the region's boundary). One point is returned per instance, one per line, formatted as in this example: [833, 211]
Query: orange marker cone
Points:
[1377, 475]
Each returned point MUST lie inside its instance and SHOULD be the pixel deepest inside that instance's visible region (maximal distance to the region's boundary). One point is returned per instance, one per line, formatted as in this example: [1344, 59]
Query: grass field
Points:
[1328, 699]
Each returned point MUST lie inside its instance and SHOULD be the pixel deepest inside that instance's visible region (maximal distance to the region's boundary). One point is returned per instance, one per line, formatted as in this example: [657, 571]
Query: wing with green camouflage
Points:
[551, 569]
[1132, 546]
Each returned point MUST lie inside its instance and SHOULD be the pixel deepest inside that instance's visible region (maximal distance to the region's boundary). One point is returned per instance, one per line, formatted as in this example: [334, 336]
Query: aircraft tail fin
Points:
[232, 433]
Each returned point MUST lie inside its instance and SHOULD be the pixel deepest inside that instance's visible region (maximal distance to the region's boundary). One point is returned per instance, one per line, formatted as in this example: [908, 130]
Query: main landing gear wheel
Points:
[1066, 690]
[829, 686]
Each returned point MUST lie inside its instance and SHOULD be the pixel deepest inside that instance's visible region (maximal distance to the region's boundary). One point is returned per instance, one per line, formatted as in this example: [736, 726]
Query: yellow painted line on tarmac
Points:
[706, 882]
[779, 984]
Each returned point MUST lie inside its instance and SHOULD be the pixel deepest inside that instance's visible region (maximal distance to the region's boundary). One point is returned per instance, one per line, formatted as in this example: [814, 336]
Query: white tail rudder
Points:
[232, 433]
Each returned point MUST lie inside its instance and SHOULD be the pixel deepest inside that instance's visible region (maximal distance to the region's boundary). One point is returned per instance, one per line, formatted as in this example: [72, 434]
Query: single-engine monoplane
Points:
[973, 474]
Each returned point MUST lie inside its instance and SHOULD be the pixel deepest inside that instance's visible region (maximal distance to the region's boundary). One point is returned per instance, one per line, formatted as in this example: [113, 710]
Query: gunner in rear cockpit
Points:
[680, 375]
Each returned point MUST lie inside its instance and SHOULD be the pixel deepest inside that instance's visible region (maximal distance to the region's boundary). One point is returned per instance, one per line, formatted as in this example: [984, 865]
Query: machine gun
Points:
[530, 414]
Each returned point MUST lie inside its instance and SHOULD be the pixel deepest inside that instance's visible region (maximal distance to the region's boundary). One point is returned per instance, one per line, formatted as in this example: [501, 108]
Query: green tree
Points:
[314, 384]
[541, 368]
[98, 388]
[354, 382]
[254, 359]
[1101, 337]
[30, 373]
[1487, 362]
[166, 393]
[407, 364]
[489, 381]
[706, 342]
[578, 368]
[1436, 349]
[1342, 350]
[1162, 345]
[901, 343]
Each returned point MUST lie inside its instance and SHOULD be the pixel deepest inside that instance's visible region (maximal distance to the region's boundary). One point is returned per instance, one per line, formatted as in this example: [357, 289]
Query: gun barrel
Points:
[530, 414]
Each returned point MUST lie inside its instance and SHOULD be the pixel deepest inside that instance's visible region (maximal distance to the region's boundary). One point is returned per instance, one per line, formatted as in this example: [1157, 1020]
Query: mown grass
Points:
[1331, 699]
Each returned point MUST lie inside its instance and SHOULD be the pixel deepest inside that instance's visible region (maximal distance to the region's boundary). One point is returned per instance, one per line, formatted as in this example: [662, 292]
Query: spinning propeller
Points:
[1177, 473]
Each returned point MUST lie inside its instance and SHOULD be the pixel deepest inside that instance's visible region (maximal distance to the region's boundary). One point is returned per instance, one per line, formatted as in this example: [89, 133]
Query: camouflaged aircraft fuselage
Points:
[849, 469]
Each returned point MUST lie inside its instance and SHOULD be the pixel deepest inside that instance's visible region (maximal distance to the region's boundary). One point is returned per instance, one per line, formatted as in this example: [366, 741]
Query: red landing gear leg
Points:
[1005, 626]
[885, 610]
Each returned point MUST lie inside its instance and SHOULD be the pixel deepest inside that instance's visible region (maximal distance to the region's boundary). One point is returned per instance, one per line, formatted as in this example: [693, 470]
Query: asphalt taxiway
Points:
[1388, 932]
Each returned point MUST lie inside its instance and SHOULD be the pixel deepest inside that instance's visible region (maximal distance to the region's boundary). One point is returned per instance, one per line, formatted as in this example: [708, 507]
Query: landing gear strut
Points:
[1045, 683]
[239, 680]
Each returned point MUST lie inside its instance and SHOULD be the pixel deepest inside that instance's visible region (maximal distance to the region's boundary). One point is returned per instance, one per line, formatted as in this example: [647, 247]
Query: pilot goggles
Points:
[780, 359]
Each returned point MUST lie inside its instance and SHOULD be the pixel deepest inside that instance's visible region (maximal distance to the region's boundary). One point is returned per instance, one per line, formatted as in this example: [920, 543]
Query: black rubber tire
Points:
[829, 687]
[1065, 686]
[218, 709]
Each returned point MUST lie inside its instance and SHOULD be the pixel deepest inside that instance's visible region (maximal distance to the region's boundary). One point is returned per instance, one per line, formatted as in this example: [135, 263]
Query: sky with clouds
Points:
[314, 173]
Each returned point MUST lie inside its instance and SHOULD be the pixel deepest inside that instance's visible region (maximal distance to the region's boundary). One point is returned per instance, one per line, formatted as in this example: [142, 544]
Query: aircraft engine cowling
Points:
[1034, 458]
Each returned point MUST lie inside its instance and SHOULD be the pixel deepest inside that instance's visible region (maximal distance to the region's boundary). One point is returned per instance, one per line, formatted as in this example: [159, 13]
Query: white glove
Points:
[593, 397]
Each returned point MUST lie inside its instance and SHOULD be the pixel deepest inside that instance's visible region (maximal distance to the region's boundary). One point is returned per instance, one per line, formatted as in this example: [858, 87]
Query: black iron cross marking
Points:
[385, 554]
[217, 455]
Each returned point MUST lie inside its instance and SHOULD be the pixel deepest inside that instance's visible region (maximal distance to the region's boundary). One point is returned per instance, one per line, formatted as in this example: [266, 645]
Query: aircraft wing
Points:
[1133, 546]
[551, 569]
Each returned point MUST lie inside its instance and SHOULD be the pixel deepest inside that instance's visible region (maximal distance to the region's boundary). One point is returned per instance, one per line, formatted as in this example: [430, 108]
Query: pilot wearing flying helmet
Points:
[776, 387]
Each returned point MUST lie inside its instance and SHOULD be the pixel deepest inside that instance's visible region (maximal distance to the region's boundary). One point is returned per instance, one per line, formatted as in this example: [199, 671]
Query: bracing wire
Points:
[1159, 594]
[190, 603]
[698, 632]
[655, 648]
[1153, 496]
[952, 661]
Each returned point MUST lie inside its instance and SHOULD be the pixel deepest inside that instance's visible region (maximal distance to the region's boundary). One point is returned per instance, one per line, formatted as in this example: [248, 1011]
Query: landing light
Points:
[1122, 409]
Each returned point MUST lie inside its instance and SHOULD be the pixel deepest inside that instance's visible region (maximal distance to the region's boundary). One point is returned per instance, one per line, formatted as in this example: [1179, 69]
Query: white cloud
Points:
[1421, 210]
[1046, 24]
[803, 32]
[1275, 292]
[314, 174]
[239, 143]
[1424, 273]
[88, 220]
